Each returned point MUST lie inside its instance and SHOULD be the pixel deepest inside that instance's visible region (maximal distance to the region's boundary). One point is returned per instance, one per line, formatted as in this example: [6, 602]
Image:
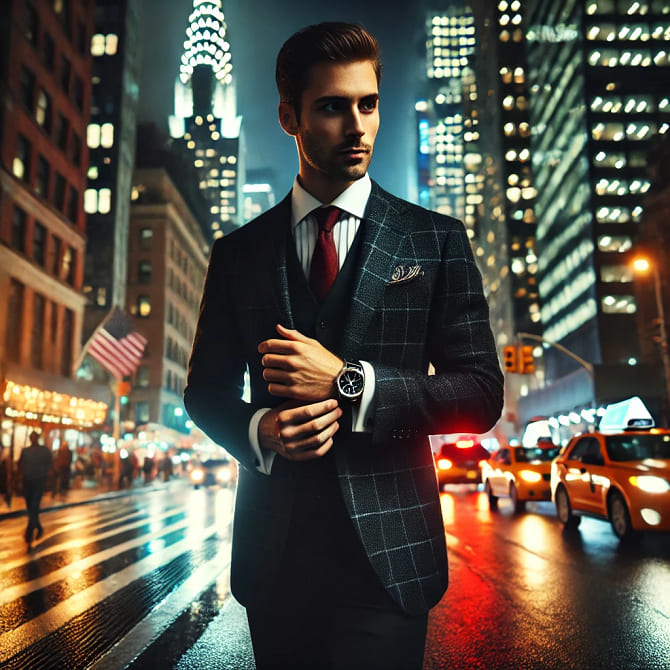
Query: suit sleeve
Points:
[215, 382]
[466, 392]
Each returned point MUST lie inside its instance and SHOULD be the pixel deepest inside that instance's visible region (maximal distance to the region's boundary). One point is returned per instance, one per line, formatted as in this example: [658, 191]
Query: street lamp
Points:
[643, 265]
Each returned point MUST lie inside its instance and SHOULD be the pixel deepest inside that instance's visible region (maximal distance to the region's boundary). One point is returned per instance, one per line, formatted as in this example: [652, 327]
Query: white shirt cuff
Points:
[361, 413]
[264, 457]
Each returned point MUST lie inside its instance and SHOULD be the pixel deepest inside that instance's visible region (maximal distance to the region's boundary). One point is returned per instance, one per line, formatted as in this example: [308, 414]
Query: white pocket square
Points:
[403, 273]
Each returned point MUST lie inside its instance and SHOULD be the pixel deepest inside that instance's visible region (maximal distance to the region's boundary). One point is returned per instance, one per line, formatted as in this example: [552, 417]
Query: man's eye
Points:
[369, 106]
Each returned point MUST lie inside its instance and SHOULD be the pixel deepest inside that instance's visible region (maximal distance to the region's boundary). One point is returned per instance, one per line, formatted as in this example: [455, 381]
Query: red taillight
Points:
[465, 444]
[444, 464]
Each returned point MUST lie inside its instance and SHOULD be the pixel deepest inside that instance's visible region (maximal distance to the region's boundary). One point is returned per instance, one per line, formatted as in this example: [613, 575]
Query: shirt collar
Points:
[352, 200]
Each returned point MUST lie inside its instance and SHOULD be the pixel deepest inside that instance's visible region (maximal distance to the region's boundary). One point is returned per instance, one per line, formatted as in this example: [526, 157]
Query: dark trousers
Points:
[33, 490]
[328, 609]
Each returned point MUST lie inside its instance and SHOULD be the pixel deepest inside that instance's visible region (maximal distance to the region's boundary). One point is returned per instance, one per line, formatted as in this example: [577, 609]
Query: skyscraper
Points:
[110, 138]
[450, 40]
[598, 100]
[205, 121]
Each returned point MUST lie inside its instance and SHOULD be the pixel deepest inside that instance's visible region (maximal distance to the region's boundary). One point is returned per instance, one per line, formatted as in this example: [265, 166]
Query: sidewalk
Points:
[89, 492]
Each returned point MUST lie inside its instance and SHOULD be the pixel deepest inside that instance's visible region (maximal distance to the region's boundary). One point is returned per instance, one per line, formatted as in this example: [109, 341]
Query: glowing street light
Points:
[643, 265]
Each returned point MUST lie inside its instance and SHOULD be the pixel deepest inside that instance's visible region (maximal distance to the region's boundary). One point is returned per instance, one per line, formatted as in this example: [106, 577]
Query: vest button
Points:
[323, 325]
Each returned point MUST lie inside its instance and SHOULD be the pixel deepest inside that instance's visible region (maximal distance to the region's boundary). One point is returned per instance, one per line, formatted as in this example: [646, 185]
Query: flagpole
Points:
[84, 349]
[116, 430]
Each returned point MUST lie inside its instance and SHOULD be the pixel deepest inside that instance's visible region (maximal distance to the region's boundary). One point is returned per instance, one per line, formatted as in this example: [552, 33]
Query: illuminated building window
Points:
[111, 44]
[608, 131]
[143, 308]
[616, 274]
[43, 110]
[618, 304]
[504, 35]
[661, 31]
[91, 200]
[615, 159]
[104, 200]
[101, 296]
[614, 243]
[21, 162]
[107, 135]
[640, 131]
[97, 44]
[93, 135]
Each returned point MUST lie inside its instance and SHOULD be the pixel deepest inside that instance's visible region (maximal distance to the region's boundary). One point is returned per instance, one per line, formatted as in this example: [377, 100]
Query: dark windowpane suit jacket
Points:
[417, 299]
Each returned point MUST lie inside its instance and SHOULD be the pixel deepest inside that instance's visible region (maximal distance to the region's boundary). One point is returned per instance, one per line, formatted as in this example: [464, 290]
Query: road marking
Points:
[18, 639]
[161, 618]
[73, 570]
[80, 542]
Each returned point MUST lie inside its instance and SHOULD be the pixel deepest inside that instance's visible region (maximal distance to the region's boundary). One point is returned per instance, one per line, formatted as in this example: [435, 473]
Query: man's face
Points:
[338, 124]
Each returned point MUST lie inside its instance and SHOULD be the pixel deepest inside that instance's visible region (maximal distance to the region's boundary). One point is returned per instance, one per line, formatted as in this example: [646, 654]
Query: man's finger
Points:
[291, 334]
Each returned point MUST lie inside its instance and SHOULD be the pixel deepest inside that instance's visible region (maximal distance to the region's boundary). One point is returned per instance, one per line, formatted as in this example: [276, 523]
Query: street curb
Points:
[108, 495]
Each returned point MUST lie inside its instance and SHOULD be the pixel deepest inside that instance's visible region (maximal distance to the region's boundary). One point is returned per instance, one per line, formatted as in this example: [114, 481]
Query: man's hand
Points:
[299, 367]
[300, 432]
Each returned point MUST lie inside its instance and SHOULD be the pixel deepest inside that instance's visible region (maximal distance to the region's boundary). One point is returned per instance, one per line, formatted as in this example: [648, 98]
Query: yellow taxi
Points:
[519, 473]
[618, 475]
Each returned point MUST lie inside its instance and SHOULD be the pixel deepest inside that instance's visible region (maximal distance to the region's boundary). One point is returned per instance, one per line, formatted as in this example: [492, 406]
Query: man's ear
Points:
[287, 118]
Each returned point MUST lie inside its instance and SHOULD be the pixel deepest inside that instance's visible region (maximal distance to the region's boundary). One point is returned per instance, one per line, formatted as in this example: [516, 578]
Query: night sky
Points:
[256, 31]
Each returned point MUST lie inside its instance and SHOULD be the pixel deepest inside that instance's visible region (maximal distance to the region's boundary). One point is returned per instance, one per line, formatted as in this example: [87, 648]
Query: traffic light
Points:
[510, 359]
[527, 362]
[123, 391]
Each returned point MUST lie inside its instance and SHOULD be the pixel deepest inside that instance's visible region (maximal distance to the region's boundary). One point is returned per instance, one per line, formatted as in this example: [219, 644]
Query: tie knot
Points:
[327, 217]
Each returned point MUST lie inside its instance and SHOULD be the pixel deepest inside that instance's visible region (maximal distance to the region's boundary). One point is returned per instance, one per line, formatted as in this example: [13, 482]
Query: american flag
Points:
[116, 346]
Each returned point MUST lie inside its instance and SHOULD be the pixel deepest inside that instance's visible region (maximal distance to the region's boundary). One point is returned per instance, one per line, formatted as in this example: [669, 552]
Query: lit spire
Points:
[206, 42]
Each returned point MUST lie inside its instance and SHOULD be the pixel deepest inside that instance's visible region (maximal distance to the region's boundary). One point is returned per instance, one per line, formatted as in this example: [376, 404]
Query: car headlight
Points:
[530, 476]
[223, 475]
[650, 484]
[197, 475]
[444, 464]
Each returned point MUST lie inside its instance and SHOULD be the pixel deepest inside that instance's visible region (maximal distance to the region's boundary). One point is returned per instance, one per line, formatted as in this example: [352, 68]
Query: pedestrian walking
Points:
[34, 464]
[340, 302]
[62, 470]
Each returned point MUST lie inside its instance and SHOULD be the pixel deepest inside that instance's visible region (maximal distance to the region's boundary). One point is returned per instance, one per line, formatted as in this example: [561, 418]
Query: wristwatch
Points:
[350, 381]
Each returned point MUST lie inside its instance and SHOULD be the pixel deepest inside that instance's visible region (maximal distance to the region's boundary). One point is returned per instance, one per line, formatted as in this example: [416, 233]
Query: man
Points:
[338, 541]
[34, 463]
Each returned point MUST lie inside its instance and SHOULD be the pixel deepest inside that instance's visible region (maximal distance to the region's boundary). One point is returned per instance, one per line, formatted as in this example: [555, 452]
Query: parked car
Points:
[621, 476]
[519, 473]
[457, 461]
[215, 471]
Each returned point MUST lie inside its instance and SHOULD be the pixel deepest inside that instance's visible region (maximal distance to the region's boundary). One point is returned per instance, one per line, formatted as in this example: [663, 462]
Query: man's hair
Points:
[329, 42]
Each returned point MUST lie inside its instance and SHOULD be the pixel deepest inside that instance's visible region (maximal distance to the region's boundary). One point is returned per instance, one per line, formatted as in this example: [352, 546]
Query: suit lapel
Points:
[383, 235]
[273, 250]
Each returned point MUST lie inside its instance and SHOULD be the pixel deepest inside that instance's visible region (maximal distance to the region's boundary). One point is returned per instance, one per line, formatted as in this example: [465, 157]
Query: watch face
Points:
[351, 383]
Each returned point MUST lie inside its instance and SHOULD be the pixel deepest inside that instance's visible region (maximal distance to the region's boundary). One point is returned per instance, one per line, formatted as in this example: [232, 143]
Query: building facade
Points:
[45, 83]
[110, 137]
[166, 269]
[598, 73]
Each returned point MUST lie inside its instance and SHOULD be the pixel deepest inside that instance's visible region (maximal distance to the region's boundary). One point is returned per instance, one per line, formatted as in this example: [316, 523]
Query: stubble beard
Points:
[333, 165]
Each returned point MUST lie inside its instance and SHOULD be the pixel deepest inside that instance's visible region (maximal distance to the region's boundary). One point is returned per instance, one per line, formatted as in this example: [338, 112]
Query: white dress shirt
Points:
[352, 202]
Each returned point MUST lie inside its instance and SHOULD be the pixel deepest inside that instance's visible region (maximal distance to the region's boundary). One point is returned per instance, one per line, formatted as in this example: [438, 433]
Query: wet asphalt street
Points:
[142, 581]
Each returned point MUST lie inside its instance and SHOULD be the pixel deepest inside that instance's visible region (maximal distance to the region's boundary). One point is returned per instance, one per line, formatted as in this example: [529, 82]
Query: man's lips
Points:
[354, 152]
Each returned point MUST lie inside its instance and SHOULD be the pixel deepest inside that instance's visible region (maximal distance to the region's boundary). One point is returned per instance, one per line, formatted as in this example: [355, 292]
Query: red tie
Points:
[324, 266]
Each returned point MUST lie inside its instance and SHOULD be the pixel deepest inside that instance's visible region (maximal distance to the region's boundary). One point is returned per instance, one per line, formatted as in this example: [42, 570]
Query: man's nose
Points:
[355, 123]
